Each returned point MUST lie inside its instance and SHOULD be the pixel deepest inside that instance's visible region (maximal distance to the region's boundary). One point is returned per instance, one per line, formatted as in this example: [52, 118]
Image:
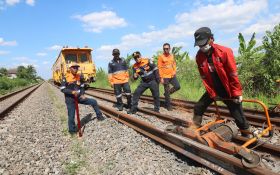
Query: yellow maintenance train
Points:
[82, 56]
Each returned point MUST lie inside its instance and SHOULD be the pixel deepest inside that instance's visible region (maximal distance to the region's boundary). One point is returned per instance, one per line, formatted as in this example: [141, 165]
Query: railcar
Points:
[81, 56]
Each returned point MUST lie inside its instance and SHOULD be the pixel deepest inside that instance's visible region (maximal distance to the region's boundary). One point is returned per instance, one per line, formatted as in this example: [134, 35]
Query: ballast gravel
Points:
[110, 147]
[31, 138]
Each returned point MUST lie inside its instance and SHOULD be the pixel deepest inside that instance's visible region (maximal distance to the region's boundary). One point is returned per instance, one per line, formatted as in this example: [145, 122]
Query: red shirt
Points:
[225, 66]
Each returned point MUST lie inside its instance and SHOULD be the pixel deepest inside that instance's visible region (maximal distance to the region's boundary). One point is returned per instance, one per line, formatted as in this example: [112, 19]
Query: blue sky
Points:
[33, 31]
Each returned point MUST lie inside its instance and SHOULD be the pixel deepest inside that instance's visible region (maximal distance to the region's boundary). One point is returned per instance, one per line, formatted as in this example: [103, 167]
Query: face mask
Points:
[205, 48]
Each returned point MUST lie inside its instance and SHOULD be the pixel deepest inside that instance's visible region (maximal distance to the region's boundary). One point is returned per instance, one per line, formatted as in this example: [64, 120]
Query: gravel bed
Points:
[113, 148]
[31, 138]
[272, 162]
[275, 140]
[4, 104]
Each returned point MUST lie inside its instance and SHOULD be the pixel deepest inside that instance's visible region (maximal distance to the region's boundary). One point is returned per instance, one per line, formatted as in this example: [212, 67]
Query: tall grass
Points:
[8, 85]
[191, 89]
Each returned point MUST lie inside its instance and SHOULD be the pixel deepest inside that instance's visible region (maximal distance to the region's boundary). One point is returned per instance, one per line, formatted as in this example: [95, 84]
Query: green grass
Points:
[9, 85]
[77, 150]
[193, 91]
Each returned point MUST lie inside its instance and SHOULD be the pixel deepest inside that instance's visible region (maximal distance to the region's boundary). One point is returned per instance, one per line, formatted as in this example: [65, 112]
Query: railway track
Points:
[213, 159]
[9, 101]
[255, 117]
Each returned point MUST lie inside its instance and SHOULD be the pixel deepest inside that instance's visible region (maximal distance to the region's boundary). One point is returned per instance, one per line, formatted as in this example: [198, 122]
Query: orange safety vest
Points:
[70, 78]
[118, 72]
[166, 66]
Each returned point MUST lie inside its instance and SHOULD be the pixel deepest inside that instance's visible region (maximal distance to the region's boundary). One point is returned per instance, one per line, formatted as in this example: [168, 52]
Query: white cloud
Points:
[151, 27]
[25, 64]
[3, 52]
[262, 25]
[12, 2]
[46, 62]
[98, 21]
[55, 47]
[24, 61]
[7, 43]
[226, 17]
[41, 54]
[180, 44]
[30, 2]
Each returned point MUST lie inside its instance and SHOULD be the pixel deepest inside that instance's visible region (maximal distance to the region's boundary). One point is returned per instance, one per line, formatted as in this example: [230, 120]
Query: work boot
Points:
[169, 108]
[156, 110]
[197, 119]
[132, 111]
[128, 101]
[100, 117]
[249, 133]
[119, 103]
[120, 107]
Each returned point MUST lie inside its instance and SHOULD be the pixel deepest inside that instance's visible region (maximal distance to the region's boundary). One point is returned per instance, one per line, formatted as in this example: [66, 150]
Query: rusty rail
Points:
[213, 159]
[216, 160]
[239, 139]
[9, 107]
[255, 117]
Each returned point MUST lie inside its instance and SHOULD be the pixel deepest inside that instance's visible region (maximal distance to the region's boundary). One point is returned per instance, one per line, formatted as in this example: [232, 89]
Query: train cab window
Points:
[83, 58]
[71, 58]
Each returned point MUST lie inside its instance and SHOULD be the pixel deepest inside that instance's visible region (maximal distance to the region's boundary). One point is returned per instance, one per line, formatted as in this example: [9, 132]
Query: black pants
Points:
[167, 91]
[143, 86]
[118, 92]
[235, 109]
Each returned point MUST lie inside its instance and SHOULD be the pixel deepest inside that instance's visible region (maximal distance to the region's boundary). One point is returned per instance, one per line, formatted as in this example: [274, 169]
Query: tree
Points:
[259, 67]
[271, 45]
[28, 72]
[3, 71]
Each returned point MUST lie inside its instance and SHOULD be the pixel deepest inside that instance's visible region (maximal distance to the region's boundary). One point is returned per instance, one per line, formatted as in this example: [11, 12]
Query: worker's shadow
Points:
[86, 119]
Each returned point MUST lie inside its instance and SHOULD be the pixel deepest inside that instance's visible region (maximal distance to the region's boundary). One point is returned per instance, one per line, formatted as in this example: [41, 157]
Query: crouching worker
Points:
[118, 77]
[72, 85]
[218, 71]
[148, 72]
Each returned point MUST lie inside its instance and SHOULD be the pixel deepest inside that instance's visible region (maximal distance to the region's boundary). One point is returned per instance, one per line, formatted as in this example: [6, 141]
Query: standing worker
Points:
[167, 73]
[118, 77]
[218, 71]
[72, 85]
[148, 72]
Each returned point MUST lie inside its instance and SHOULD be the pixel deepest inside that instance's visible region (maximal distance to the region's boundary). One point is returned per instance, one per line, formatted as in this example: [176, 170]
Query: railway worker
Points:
[218, 72]
[118, 77]
[148, 72]
[72, 85]
[167, 73]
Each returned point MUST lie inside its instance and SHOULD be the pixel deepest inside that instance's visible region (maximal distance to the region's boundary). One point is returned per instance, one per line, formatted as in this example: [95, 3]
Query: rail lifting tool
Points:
[78, 116]
[219, 133]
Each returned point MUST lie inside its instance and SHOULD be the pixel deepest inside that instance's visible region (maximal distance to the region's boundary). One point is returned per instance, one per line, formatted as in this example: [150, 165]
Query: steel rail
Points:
[216, 160]
[191, 103]
[3, 97]
[256, 118]
[11, 106]
[239, 139]
[209, 157]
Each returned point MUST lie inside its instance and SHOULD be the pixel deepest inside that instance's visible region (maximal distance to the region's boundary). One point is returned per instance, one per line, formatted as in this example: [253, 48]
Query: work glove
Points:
[76, 93]
[238, 99]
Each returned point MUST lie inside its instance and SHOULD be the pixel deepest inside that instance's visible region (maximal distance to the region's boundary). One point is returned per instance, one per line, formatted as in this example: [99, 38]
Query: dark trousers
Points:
[143, 86]
[235, 110]
[167, 91]
[118, 92]
[70, 103]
